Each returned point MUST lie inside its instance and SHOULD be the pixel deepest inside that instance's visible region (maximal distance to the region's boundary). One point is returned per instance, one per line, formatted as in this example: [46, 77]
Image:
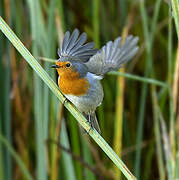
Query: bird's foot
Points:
[65, 101]
[91, 127]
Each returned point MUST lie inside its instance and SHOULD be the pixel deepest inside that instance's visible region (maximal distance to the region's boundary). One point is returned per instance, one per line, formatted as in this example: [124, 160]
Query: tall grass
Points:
[138, 117]
[78, 115]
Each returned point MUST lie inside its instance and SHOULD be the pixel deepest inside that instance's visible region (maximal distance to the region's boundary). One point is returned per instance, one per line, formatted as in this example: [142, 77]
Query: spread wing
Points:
[113, 55]
[74, 47]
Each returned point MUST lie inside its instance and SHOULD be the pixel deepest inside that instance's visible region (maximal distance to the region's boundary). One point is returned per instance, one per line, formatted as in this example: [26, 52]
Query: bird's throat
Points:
[73, 86]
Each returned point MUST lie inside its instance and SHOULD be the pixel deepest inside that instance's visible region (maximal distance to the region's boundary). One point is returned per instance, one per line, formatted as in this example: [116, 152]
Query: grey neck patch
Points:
[81, 68]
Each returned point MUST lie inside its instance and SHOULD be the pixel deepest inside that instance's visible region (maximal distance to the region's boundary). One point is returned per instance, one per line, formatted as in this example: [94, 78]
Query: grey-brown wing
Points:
[113, 55]
[74, 47]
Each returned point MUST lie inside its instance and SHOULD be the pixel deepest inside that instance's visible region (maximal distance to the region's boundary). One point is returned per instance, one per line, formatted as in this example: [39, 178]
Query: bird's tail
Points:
[92, 119]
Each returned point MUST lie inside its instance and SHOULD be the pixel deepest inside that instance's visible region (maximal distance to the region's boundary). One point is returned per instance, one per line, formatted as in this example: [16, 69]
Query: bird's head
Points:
[63, 68]
[70, 70]
[73, 55]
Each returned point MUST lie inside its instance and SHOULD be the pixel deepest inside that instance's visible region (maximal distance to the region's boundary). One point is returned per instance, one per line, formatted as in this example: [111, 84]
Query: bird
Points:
[81, 67]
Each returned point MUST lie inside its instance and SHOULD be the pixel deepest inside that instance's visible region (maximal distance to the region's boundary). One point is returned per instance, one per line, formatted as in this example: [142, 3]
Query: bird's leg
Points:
[88, 118]
[90, 122]
[65, 100]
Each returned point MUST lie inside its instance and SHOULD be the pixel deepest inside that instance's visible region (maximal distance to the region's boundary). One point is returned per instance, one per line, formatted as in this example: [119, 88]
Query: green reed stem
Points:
[51, 84]
[175, 8]
[138, 78]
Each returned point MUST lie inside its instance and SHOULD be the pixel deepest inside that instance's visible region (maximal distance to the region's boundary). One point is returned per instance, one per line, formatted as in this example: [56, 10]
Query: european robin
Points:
[81, 67]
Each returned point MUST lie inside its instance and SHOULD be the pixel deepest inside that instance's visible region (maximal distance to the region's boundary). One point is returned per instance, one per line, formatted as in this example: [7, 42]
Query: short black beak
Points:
[54, 66]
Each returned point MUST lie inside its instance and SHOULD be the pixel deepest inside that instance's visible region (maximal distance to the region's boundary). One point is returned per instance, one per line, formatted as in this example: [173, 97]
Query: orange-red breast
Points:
[81, 67]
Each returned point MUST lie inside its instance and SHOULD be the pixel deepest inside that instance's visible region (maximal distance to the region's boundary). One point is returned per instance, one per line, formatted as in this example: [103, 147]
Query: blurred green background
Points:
[139, 116]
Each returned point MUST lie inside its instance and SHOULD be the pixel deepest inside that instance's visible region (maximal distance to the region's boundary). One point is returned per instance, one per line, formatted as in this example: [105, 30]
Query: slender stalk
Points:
[175, 8]
[66, 158]
[21, 164]
[149, 36]
[175, 13]
[40, 91]
[2, 101]
[138, 78]
[50, 101]
[170, 160]
[1, 153]
[119, 119]
[118, 125]
[157, 133]
[75, 144]
[87, 158]
[143, 93]
[177, 160]
[51, 84]
[7, 102]
[7, 114]
[166, 147]
[96, 21]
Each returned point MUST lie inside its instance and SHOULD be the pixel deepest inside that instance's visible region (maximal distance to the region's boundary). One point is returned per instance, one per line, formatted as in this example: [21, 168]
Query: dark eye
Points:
[68, 65]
